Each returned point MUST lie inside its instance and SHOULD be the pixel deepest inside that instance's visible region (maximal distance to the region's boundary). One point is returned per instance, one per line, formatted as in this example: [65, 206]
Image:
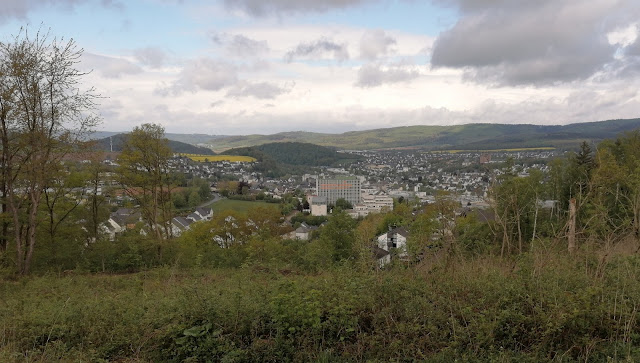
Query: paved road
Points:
[216, 197]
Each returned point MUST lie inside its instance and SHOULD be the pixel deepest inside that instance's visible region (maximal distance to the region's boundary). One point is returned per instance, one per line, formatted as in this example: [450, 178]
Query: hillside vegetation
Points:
[293, 153]
[175, 146]
[529, 285]
[539, 307]
[471, 136]
[275, 159]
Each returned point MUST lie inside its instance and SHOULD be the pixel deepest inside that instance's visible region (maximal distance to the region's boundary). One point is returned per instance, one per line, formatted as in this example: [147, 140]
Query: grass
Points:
[238, 205]
[213, 158]
[538, 307]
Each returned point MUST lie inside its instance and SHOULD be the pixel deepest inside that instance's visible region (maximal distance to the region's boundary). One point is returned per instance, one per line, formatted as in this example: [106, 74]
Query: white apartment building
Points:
[347, 187]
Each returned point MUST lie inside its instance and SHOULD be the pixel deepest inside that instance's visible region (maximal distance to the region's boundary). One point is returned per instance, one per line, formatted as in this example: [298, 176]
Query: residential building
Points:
[393, 240]
[179, 225]
[375, 203]
[318, 206]
[304, 232]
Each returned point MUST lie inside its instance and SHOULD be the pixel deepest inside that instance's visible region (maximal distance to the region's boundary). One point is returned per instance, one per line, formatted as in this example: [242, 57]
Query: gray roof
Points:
[181, 222]
[319, 200]
[195, 217]
[203, 210]
[399, 230]
[304, 228]
[124, 216]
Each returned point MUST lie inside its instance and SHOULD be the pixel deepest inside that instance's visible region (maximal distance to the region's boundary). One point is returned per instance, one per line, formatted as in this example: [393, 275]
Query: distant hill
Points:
[293, 153]
[470, 136]
[278, 158]
[177, 146]
[193, 139]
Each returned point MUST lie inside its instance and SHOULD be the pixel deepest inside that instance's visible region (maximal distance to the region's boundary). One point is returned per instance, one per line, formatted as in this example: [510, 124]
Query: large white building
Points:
[347, 187]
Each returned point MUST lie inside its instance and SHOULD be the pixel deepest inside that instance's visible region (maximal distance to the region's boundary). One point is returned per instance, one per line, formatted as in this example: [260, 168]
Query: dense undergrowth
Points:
[538, 306]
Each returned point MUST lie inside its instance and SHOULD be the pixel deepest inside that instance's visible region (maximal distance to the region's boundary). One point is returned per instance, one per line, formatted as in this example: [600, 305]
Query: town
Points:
[373, 184]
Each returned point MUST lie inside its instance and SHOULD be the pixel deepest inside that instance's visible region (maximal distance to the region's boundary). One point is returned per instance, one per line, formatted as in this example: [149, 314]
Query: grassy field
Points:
[232, 158]
[238, 205]
[540, 307]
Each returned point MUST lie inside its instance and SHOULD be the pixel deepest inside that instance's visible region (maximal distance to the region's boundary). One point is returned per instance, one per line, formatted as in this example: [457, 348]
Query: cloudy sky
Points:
[265, 66]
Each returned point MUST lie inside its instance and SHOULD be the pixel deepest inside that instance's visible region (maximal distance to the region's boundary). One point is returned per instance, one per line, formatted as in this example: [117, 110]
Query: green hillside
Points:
[177, 146]
[471, 136]
[280, 158]
[293, 153]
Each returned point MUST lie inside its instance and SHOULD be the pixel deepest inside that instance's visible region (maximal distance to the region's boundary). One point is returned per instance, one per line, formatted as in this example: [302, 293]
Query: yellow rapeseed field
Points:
[232, 158]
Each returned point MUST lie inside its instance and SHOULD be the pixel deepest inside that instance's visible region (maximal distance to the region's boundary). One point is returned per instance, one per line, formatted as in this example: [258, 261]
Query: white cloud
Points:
[375, 43]
[373, 75]
[203, 74]
[150, 56]
[269, 7]
[239, 45]
[110, 67]
[261, 90]
[322, 48]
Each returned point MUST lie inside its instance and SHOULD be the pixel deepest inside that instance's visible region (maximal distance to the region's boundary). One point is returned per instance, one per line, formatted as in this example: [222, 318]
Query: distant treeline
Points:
[272, 156]
[470, 136]
[117, 141]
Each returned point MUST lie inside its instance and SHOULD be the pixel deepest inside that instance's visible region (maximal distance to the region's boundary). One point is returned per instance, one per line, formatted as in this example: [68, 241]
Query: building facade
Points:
[375, 203]
[339, 187]
[318, 206]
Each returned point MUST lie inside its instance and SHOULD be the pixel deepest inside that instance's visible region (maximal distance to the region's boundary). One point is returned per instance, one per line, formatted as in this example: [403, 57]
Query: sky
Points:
[237, 67]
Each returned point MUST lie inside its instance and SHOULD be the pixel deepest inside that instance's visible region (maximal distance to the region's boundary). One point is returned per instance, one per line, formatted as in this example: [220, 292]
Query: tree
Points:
[144, 174]
[339, 235]
[44, 115]
[515, 203]
[613, 210]
[343, 204]
[97, 208]
[194, 199]
[61, 198]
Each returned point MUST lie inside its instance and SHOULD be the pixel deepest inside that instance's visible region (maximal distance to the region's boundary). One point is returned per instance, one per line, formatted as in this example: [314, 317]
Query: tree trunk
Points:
[4, 232]
[535, 224]
[572, 226]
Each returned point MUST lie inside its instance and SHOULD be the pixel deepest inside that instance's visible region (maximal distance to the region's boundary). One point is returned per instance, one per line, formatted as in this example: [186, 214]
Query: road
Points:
[216, 197]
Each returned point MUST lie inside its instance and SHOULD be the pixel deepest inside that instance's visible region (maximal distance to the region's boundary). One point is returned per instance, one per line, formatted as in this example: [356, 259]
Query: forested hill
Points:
[176, 146]
[470, 136]
[293, 153]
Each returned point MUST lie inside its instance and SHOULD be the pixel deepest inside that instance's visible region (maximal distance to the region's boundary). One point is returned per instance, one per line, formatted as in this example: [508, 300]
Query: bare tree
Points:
[44, 115]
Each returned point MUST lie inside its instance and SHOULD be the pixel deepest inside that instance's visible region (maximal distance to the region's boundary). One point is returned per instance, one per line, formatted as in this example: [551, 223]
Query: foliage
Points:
[467, 137]
[214, 158]
[44, 116]
[116, 143]
[293, 153]
[238, 205]
[308, 219]
[516, 207]
[343, 204]
[536, 308]
[144, 174]
[338, 235]
[613, 208]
